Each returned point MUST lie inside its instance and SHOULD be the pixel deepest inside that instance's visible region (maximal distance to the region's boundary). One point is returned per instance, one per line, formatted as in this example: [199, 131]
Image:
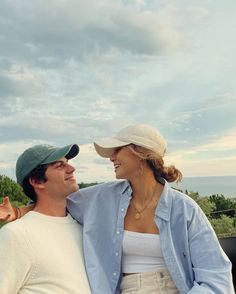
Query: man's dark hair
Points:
[38, 174]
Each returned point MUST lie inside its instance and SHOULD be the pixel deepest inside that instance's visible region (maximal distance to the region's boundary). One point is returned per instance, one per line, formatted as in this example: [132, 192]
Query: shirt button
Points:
[117, 253]
[118, 232]
[122, 209]
[114, 274]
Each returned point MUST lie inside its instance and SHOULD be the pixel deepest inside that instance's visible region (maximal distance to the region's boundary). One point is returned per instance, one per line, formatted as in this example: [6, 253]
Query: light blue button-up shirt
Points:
[190, 247]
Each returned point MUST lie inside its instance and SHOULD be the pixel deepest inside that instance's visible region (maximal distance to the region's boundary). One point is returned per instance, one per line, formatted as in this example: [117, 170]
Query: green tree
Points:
[224, 225]
[223, 205]
[206, 205]
[84, 185]
[10, 188]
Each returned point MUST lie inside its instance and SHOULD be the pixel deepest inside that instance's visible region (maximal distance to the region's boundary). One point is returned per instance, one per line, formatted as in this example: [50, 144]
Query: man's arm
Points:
[10, 213]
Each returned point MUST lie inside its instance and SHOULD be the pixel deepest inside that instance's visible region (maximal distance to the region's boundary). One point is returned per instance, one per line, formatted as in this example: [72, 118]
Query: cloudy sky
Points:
[77, 71]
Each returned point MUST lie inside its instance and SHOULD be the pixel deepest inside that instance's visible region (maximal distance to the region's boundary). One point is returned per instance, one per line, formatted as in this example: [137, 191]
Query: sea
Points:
[207, 186]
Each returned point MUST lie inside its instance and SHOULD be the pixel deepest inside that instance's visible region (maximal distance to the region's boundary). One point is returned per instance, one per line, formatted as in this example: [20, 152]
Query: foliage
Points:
[207, 206]
[220, 212]
[10, 188]
[84, 185]
[224, 225]
[224, 205]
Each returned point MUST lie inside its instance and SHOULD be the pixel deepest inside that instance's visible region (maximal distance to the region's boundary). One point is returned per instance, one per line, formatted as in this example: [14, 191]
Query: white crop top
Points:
[141, 253]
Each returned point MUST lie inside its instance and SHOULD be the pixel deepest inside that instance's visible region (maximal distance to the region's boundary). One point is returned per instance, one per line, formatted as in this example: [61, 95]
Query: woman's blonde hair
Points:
[156, 163]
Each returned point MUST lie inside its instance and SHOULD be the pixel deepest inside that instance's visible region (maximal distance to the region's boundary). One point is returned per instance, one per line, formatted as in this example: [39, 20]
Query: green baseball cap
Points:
[41, 154]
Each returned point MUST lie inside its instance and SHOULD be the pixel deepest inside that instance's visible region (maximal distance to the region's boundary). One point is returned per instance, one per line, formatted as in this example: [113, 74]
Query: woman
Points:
[168, 245]
[143, 265]
[140, 235]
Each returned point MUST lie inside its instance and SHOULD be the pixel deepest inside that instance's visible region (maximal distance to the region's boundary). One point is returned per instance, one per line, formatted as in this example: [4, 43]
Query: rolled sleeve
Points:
[211, 266]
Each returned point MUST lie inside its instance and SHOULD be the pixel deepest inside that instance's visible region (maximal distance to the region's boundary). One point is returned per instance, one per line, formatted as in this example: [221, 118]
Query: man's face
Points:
[60, 178]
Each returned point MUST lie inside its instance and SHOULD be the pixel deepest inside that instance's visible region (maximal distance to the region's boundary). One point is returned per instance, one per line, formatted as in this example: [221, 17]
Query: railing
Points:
[229, 246]
[229, 212]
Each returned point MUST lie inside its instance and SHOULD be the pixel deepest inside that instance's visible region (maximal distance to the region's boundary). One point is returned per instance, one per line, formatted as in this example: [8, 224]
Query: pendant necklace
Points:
[138, 212]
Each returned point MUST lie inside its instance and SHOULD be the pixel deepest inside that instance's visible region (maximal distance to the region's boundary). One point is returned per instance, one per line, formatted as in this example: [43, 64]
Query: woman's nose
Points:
[112, 158]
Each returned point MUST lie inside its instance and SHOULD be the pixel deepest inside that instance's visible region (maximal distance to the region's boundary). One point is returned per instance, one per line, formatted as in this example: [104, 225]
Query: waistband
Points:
[143, 279]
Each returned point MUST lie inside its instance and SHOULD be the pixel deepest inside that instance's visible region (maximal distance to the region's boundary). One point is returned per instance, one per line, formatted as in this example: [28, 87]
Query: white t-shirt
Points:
[41, 254]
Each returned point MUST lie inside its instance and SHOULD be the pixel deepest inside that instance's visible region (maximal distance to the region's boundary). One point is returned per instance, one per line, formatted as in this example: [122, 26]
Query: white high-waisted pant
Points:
[149, 282]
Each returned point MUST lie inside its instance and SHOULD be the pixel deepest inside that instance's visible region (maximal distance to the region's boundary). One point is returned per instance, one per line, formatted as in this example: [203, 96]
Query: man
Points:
[42, 251]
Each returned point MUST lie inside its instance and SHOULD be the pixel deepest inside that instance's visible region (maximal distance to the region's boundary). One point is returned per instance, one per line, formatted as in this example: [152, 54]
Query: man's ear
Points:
[36, 183]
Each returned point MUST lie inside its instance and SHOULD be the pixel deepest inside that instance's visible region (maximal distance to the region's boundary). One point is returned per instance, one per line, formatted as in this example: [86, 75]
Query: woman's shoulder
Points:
[179, 198]
[108, 187]
[179, 204]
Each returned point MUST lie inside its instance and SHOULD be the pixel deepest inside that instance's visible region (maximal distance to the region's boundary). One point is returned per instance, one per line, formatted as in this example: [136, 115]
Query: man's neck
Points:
[51, 208]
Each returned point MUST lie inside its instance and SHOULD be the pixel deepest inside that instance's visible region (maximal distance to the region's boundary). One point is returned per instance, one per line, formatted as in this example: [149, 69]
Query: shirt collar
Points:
[126, 188]
[165, 202]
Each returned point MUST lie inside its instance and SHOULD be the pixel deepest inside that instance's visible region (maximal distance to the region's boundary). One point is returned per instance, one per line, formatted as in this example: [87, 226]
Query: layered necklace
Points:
[138, 212]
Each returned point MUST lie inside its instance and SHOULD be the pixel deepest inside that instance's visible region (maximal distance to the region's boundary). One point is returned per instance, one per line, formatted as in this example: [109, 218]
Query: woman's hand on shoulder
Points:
[7, 211]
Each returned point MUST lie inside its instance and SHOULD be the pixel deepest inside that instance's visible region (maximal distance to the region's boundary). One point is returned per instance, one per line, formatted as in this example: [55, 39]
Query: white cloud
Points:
[207, 167]
[90, 167]
[73, 71]
[217, 157]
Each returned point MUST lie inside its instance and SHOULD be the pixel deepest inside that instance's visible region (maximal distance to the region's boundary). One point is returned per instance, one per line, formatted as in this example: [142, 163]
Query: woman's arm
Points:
[10, 213]
[211, 266]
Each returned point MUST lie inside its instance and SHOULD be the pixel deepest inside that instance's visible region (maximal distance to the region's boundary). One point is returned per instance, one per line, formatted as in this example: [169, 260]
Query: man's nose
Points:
[70, 168]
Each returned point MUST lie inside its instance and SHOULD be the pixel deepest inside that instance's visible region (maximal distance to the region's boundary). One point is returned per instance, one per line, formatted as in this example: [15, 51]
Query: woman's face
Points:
[126, 163]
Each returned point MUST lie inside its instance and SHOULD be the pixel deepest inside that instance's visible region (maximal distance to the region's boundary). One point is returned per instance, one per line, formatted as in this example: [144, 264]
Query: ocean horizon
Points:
[207, 186]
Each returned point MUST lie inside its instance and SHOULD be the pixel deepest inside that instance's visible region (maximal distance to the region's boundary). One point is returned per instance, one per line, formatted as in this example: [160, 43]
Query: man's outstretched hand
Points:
[7, 211]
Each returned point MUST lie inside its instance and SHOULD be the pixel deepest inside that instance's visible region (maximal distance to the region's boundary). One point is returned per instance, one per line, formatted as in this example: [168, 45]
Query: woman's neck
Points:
[145, 187]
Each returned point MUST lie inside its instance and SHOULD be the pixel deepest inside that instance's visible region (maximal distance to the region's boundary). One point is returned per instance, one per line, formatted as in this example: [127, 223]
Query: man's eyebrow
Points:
[59, 161]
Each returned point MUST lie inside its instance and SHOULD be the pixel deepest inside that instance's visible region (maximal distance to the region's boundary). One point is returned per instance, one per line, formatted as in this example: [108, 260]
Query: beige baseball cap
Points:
[138, 134]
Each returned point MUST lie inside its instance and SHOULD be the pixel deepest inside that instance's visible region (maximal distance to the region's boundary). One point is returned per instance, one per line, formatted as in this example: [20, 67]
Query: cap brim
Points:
[106, 148]
[69, 151]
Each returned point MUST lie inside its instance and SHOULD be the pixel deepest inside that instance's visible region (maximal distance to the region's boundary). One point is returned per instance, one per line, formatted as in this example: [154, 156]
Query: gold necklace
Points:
[138, 213]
